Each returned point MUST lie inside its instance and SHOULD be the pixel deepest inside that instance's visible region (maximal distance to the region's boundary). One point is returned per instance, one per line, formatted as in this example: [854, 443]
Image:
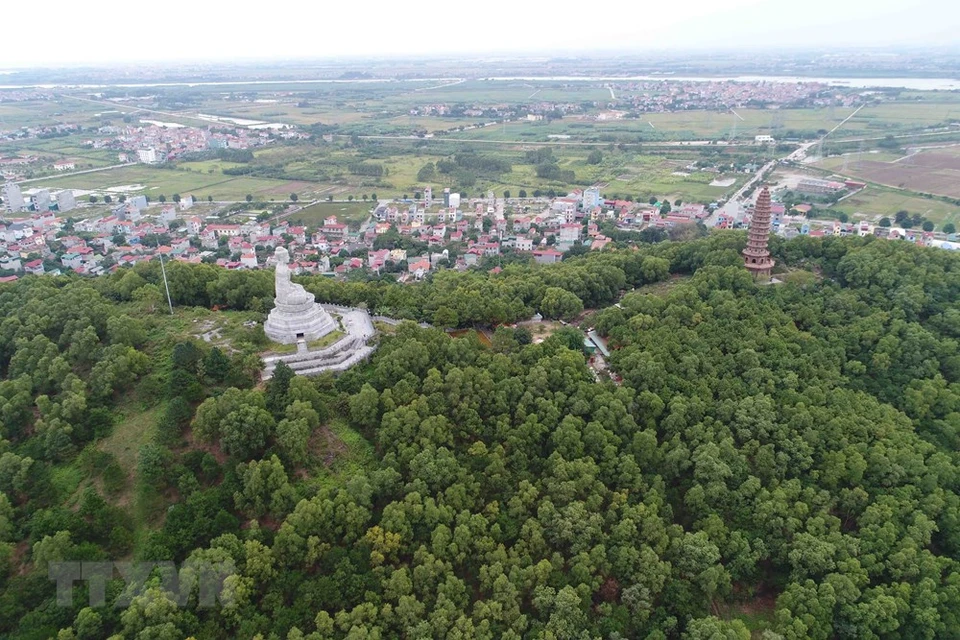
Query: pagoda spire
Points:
[756, 256]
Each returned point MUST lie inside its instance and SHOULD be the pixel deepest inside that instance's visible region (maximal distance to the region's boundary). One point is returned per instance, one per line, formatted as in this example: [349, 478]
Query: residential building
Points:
[148, 156]
[591, 198]
[11, 263]
[64, 165]
[41, 200]
[547, 256]
[454, 200]
[35, 267]
[570, 233]
[13, 198]
[66, 200]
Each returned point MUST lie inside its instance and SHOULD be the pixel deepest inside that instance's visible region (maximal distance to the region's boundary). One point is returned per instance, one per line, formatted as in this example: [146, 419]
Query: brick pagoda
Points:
[756, 256]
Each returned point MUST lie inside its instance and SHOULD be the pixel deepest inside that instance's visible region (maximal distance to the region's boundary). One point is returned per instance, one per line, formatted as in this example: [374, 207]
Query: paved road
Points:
[77, 173]
[732, 207]
[559, 143]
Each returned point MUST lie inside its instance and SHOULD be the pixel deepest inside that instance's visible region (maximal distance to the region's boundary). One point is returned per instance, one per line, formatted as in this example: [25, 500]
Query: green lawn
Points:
[325, 341]
[352, 213]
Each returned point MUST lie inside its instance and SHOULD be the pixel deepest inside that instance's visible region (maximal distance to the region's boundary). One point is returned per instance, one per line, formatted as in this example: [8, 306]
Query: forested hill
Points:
[778, 461]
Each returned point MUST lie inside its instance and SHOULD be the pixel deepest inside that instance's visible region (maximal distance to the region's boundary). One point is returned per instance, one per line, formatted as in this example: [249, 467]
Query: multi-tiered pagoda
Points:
[756, 256]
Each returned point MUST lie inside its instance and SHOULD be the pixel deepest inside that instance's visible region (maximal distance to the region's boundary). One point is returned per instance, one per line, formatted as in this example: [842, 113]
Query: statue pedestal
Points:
[296, 315]
[287, 324]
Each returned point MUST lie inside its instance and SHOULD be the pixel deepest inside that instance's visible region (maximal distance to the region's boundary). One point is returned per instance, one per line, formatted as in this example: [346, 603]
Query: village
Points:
[408, 239]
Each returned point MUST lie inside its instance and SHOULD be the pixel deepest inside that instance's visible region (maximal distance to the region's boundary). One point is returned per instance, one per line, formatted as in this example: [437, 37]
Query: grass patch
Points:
[351, 213]
[338, 452]
[876, 202]
[136, 429]
[313, 345]
[66, 480]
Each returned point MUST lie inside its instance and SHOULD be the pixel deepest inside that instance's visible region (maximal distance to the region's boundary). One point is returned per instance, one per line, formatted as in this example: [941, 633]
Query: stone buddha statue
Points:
[288, 293]
[295, 315]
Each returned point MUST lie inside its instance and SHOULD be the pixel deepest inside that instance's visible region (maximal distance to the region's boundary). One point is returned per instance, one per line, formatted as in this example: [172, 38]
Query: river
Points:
[916, 84]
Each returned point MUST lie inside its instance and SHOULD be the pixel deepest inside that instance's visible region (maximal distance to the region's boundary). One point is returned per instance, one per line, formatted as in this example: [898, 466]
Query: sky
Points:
[72, 32]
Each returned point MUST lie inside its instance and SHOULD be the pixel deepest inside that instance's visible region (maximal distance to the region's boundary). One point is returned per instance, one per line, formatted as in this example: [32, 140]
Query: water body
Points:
[916, 84]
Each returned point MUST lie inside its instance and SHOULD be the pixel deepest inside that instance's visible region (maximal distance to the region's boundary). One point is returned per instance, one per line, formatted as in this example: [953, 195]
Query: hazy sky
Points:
[67, 32]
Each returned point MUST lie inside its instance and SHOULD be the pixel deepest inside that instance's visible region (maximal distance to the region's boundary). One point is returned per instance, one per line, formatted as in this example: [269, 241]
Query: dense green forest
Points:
[777, 462]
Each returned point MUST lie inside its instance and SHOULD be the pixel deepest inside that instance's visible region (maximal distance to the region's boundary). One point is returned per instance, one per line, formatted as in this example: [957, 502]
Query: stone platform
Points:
[349, 350]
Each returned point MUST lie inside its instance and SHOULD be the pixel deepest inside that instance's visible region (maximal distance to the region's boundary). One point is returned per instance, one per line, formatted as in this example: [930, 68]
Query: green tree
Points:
[595, 157]
[293, 197]
[365, 407]
[126, 330]
[560, 304]
[265, 489]
[249, 198]
[427, 172]
[245, 431]
[949, 228]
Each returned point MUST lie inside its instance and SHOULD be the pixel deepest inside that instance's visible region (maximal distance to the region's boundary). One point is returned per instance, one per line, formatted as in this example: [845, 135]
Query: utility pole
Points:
[163, 270]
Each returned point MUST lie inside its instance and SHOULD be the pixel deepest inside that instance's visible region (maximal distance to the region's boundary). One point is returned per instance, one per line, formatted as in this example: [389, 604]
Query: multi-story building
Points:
[41, 200]
[591, 198]
[13, 198]
[66, 201]
[148, 156]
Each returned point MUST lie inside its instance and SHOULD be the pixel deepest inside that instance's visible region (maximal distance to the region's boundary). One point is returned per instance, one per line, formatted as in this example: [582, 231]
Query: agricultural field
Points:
[875, 202]
[153, 182]
[351, 213]
[935, 171]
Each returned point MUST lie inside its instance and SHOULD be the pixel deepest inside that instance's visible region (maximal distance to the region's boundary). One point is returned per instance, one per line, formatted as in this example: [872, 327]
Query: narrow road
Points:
[613, 96]
[441, 86]
[131, 111]
[844, 121]
[732, 206]
[77, 173]
[571, 143]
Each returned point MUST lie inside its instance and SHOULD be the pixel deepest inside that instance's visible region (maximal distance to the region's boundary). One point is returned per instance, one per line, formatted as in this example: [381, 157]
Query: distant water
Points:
[916, 84]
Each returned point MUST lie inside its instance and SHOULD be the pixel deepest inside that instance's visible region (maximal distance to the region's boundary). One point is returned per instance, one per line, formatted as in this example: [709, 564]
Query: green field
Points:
[876, 202]
[352, 213]
[197, 183]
